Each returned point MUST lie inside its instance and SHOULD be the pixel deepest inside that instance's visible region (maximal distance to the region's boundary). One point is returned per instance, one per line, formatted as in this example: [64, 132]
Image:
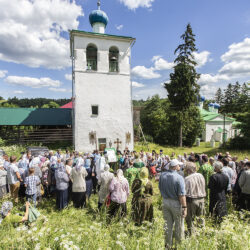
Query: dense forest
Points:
[33, 102]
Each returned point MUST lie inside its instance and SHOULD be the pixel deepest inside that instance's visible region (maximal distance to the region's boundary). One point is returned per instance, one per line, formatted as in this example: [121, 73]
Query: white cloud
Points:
[144, 93]
[208, 91]
[201, 58]
[68, 77]
[32, 82]
[137, 85]
[59, 90]
[3, 73]
[145, 73]
[18, 92]
[30, 31]
[134, 4]
[209, 78]
[161, 64]
[237, 60]
[119, 27]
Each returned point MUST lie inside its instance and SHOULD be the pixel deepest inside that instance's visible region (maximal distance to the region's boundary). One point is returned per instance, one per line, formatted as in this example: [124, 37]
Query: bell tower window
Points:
[113, 59]
[92, 57]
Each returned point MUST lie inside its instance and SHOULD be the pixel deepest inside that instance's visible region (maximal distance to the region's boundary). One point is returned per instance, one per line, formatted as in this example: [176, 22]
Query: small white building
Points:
[215, 123]
[102, 90]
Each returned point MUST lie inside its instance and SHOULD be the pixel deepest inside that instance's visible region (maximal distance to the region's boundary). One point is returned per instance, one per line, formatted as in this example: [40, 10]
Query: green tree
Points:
[228, 99]
[219, 96]
[51, 105]
[154, 118]
[183, 89]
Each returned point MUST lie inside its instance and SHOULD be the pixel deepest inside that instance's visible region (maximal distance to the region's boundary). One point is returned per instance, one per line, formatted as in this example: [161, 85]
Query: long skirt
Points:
[218, 208]
[3, 191]
[89, 187]
[79, 199]
[142, 209]
[62, 199]
[116, 209]
[21, 192]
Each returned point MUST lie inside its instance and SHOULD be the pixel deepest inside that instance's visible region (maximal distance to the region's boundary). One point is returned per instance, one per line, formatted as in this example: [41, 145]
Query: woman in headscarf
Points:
[142, 190]
[77, 176]
[88, 178]
[62, 184]
[3, 179]
[7, 218]
[23, 165]
[38, 173]
[119, 189]
[104, 183]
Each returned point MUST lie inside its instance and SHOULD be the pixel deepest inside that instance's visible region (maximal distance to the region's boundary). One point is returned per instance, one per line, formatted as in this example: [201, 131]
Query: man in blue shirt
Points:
[172, 188]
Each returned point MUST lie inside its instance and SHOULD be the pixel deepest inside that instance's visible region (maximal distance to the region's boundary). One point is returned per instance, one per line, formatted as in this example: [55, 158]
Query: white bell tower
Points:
[102, 100]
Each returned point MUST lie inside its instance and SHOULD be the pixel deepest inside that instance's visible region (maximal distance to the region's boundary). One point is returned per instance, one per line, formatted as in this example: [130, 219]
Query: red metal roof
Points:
[67, 106]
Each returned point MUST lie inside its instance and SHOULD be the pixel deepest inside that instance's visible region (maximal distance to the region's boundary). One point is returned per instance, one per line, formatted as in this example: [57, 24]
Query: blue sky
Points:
[34, 46]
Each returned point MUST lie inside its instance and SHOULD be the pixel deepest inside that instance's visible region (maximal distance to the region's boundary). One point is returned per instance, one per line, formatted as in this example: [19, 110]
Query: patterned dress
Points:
[142, 206]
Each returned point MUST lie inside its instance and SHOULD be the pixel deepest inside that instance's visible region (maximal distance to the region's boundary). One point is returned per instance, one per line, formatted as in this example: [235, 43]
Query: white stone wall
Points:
[211, 127]
[110, 91]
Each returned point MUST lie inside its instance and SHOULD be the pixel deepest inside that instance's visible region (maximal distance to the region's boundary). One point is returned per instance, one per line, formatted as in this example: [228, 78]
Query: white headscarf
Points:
[120, 174]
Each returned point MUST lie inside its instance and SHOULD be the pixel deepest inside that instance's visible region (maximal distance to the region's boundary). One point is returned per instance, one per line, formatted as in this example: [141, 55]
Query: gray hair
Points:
[218, 165]
[191, 167]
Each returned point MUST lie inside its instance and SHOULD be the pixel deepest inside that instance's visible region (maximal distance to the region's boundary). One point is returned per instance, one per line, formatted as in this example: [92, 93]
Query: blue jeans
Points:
[32, 197]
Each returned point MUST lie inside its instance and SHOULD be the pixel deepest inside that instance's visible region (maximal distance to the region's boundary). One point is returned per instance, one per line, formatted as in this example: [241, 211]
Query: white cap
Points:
[174, 163]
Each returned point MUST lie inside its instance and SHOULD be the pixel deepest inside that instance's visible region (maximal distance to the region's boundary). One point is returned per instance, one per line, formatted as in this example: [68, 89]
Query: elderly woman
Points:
[88, 178]
[7, 218]
[142, 190]
[78, 175]
[104, 183]
[38, 173]
[218, 184]
[62, 184]
[3, 179]
[119, 189]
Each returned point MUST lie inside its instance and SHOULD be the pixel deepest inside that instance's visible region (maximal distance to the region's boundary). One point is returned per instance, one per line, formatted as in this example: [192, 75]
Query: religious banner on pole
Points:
[111, 154]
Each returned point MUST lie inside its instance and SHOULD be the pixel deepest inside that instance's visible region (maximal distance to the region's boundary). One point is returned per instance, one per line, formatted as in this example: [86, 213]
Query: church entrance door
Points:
[102, 142]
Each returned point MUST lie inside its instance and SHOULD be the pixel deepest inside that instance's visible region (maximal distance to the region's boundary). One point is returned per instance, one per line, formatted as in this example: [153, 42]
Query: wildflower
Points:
[38, 246]
[70, 243]
[29, 232]
[34, 229]
[19, 229]
[56, 239]
[121, 244]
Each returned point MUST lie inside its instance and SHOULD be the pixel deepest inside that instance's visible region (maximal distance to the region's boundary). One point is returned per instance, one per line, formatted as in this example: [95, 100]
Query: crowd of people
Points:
[187, 184]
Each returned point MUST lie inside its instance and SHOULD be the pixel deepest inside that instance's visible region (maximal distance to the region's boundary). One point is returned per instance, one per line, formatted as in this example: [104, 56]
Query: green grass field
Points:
[204, 148]
[87, 228]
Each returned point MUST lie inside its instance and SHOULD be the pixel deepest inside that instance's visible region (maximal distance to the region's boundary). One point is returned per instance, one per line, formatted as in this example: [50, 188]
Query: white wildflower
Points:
[56, 239]
[38, 246]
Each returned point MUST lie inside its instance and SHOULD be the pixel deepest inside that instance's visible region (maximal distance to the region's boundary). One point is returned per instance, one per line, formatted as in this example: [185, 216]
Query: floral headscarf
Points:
[6, 207]
[144, 176]
[79, 163]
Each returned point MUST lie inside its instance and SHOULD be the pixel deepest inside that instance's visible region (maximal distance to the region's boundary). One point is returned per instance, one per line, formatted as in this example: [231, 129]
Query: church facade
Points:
[102, 90]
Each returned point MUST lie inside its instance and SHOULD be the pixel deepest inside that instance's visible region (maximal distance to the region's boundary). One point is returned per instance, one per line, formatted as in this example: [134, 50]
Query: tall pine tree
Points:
[219, 96]
[228, 99]
[183, 89]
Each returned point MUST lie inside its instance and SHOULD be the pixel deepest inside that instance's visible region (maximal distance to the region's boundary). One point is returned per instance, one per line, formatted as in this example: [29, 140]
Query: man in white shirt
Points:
[14, 178]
